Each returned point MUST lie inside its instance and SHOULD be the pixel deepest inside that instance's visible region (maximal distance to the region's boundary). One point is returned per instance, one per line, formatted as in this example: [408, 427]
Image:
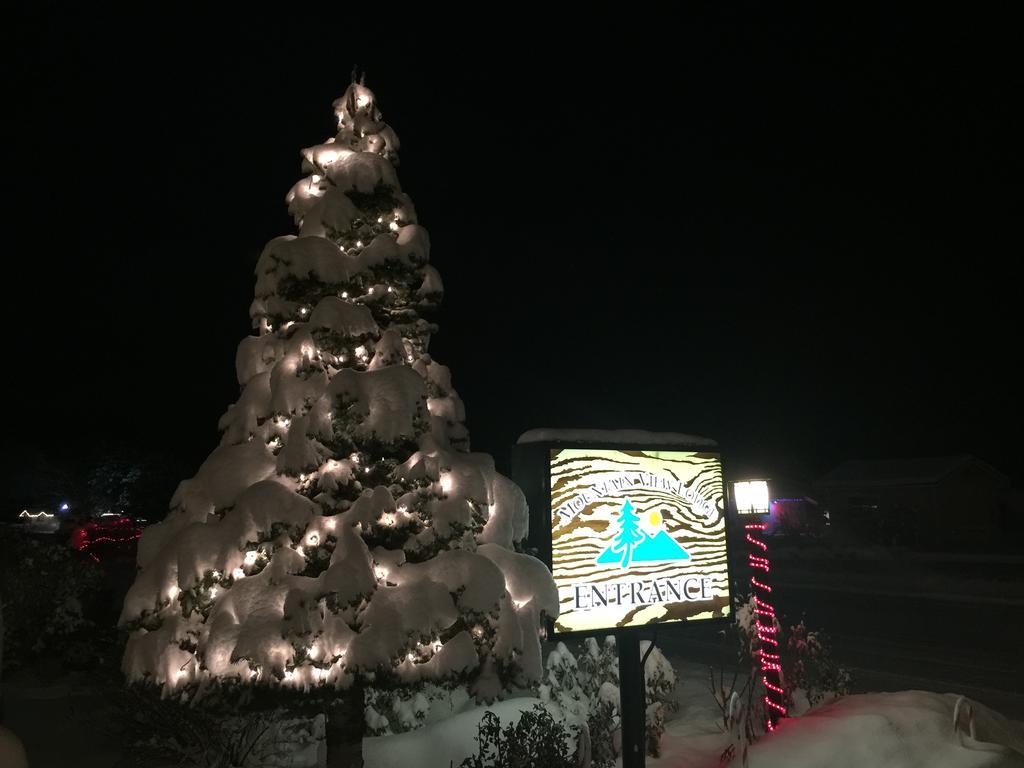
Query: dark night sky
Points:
[795, 234]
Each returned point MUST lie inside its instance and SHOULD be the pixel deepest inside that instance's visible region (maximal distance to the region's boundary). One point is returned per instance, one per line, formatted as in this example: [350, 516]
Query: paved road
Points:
[898, 642]
[935, 643]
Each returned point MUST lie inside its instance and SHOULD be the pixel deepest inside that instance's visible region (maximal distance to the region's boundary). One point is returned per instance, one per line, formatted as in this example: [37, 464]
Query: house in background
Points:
[795, 516]
[945, 502]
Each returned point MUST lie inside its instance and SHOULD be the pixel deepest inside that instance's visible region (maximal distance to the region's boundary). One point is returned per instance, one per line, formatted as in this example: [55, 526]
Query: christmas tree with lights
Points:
[342, 538]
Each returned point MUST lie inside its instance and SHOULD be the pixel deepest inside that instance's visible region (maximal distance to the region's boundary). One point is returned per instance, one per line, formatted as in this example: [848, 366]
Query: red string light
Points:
[114, 539]
[758, 562]
[105, 532]
[777, 707]
[769, 662]
[757, 543]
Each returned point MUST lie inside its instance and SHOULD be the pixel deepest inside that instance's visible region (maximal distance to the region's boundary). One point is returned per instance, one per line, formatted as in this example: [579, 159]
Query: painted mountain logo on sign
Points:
[633, 544]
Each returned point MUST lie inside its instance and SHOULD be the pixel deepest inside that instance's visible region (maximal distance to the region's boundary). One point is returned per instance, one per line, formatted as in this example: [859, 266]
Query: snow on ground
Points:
[61, 724]
[69, 724]
[908, 729]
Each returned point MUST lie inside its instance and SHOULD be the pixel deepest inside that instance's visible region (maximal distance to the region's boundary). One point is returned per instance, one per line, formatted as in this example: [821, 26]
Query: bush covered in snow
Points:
[49, 594]
[586, 685]
[813, 676]
[809, 674]
[536, 739]
[660, 684]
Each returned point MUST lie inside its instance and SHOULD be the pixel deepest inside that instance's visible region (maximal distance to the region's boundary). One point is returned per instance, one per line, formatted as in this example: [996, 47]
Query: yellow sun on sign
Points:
[654, 518]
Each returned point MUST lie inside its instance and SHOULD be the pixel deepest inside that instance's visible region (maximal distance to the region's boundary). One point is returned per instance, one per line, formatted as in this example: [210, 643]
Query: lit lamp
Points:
[751, 498]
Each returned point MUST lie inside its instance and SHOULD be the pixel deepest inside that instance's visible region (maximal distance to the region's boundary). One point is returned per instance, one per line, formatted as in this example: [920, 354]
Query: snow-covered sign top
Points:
[342, 529]
[614, 437]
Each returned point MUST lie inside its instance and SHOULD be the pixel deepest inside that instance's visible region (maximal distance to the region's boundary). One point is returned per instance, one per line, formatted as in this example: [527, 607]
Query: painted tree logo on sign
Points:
[641, 540]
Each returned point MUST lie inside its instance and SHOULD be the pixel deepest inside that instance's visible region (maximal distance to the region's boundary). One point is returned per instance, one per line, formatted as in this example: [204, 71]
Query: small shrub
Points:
[811, 671]
[810, 675]
[660, 684]
[50, 595]
[537, 739]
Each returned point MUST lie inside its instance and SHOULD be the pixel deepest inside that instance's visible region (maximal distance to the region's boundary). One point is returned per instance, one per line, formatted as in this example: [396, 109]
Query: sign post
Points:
[632, 698]
[635, 536]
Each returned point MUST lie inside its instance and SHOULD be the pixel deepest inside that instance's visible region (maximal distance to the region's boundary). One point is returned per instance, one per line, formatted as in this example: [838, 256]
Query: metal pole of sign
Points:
[634, 707]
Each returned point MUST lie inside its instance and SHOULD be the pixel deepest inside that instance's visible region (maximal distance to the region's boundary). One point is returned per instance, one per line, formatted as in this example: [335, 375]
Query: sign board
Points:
[637, 537]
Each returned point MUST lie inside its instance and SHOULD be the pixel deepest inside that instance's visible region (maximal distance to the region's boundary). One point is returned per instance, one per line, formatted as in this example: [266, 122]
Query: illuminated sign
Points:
[637, 537]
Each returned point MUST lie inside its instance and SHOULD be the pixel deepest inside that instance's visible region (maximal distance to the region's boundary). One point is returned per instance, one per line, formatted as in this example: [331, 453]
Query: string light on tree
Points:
[333, 431]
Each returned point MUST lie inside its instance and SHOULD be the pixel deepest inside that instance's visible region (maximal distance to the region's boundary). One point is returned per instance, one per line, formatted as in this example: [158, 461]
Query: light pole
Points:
[753, 505]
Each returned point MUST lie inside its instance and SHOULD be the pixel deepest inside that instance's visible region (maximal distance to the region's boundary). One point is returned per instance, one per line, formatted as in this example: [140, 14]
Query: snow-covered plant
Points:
[813, 676]
[599, 677]
[587, 686]
[736, 718]
[742, 707]
[660, 684]
[809, 675]
[562, 683]
[536, 739]
[599, 662]
[746, 623]
[47, 590]
[402, 709]
[342, 536]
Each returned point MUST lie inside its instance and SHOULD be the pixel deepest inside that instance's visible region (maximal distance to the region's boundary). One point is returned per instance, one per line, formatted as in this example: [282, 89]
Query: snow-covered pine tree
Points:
[342, 532]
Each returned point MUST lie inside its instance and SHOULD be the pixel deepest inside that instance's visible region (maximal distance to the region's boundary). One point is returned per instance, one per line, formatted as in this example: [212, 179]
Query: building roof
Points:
[918, 471]
[613, 437]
